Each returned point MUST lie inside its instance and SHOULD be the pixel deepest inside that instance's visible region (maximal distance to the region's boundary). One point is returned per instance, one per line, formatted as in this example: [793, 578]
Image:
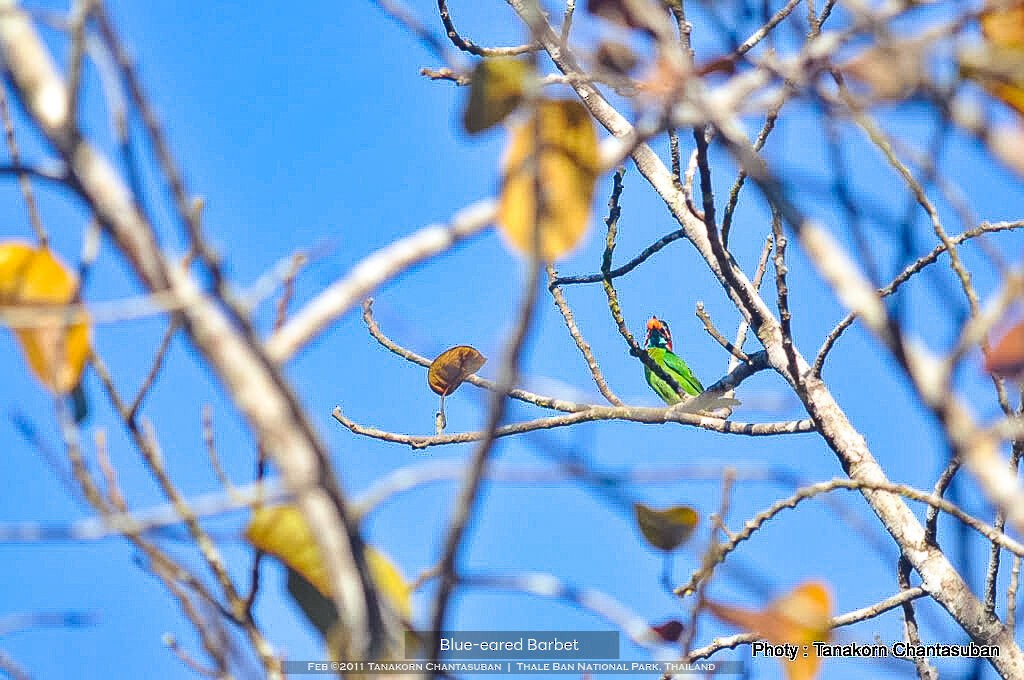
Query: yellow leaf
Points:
[665, 529]
[56, 351]
[496, 91]
[390, 581]
[800, 617]
[568, 163]
[452, 367]
[281, 531]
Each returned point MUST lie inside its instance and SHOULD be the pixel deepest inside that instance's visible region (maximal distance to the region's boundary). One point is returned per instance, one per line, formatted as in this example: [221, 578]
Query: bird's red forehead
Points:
[655, 324]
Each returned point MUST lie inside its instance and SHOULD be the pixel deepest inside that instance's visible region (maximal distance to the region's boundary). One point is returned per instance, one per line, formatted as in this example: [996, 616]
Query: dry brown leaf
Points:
[452, 367]
[568, 162]
[56, 351]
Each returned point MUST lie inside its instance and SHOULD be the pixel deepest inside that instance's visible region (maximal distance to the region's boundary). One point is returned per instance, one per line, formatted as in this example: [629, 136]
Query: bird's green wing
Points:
[682, 374]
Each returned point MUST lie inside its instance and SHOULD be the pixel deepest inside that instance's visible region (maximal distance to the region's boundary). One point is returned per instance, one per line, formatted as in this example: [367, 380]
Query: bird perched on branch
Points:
[659, 348]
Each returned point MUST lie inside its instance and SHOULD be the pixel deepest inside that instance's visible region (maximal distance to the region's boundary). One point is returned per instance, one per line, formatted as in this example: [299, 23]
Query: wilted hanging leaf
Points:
[496, 91]
[56, 352]
[453, 366]
[800, 617]
[665, 529]
[1006, 357]
[568, 161]
[1004, 27]
[281, 531]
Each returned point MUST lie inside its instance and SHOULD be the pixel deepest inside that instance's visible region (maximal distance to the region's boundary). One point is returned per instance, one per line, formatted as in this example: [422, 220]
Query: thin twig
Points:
[1011, 595]
[409, 355]
[580, 341]
[709, 326]
[23, 176]
[754, 524]
[925, 671]
[154, 369]
[467, 45]
[636, 414]
[904, 276]
[378, 267]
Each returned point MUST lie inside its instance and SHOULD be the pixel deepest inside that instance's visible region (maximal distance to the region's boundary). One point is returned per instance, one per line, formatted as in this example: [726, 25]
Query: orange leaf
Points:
[665, 529]
[998, 64]
[1004, 27]
[998, 69]
[452, 367]
[800, 617]
[568, 164]
[1006, 357]
[56, 350]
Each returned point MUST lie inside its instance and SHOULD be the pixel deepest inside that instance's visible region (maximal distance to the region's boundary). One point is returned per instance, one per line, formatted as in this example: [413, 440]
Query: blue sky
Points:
[307, 126]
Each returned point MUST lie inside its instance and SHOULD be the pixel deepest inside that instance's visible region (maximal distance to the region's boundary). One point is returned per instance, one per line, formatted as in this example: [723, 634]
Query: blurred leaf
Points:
[1006, 356]
[665, 529]
[496, 91]
[79, 404]
[282, 531]
[318, 608]
[998, 65]
[1004, 27]
[664, 77]
[999, 70]
[890, 72]
[616, 57]
[670, 631]
[1006, 142]
[56, 352]
[640, 14]
[452, 367]
[800, 617]
[568, 163]
[390, 582]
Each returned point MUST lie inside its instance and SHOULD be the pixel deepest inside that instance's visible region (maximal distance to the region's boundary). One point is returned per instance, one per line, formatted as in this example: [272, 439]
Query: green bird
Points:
[659, 348]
